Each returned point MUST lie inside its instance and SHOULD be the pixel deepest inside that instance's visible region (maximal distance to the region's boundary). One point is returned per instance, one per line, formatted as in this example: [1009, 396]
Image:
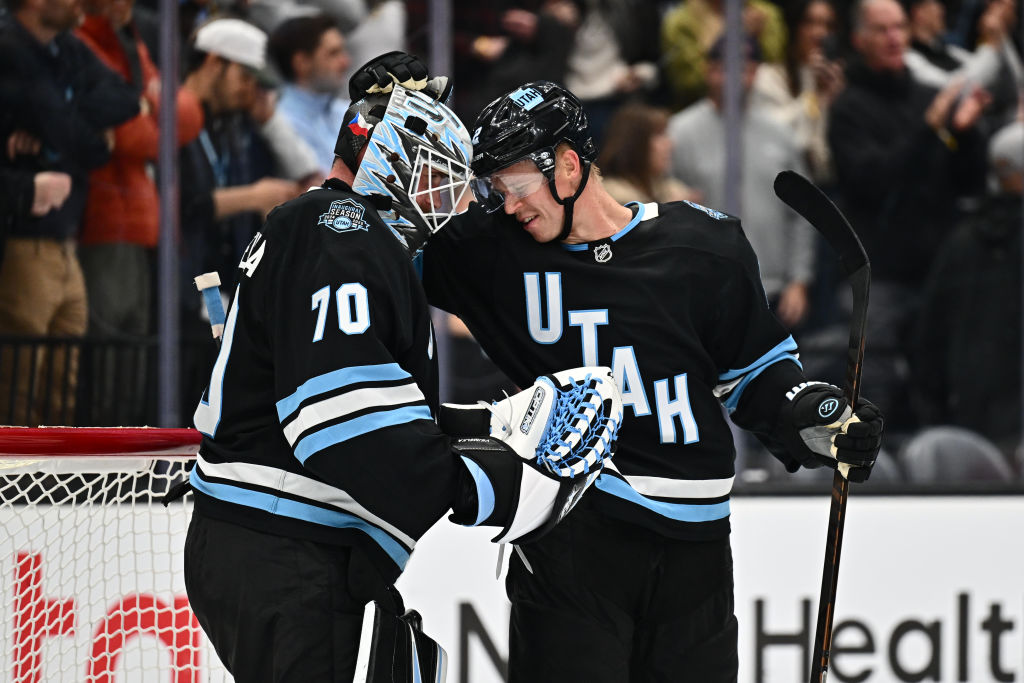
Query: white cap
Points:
[234, 40]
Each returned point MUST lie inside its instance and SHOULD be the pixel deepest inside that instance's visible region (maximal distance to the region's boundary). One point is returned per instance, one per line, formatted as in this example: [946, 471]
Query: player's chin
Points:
[535, 229]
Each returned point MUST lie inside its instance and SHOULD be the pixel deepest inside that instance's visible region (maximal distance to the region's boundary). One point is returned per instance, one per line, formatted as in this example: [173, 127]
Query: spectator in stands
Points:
[383, 30]
[270, 14]
[784, 244]
[798, 91]
[225, 57]
[499, 45]
[310, 54]
[903, 154]
[60, 101]
[120, 227]
[613, 57]
[967, 361]
[994, 64]
[636, 158]
[228, 177]
[23, 193]
[692, 26]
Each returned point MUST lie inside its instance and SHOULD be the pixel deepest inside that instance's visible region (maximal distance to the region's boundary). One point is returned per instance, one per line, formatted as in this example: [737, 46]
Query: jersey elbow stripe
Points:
[346, 404]
[302, 511]
[339, 433]
[681, 512]
[321, 384]
[296, 486]
[734, 382]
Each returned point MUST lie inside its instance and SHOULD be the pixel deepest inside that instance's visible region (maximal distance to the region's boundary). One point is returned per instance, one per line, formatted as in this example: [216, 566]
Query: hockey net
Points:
[91, 560]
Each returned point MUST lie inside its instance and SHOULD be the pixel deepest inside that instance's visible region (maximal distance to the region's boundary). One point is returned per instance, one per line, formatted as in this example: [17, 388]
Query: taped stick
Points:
[208, 285]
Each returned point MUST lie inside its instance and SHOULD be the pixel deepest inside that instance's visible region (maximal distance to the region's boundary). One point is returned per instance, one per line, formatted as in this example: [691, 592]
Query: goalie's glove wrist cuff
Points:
[819, 428]
[486, 481]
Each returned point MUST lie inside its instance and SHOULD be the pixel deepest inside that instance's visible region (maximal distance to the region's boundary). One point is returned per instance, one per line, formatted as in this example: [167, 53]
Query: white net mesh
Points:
[92, 573]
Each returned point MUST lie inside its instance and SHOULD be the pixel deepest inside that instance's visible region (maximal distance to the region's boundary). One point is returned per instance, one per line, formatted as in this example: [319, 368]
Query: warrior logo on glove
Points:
[822, 429]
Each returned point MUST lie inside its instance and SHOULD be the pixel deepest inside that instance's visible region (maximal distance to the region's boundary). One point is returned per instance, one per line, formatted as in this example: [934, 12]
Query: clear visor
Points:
[438, 187]
[492, 189]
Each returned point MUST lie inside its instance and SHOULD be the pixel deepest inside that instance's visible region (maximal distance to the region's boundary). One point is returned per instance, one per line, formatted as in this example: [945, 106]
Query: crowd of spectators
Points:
[907, 112]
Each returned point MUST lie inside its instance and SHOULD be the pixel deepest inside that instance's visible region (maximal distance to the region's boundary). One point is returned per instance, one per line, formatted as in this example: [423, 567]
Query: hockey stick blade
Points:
[804, 197]
[807, 199]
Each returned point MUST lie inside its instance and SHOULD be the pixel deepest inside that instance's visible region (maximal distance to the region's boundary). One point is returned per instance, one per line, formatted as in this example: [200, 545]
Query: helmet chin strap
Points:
[568, 202]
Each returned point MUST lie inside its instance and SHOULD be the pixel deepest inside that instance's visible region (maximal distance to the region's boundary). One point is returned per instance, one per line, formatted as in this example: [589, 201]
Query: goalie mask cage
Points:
[92, 562]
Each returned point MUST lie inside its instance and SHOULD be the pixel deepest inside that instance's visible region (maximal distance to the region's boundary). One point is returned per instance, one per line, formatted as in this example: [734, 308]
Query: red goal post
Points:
[91, 560]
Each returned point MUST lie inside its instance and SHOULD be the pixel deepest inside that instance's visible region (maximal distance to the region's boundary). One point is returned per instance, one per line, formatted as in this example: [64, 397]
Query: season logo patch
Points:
[343, 216]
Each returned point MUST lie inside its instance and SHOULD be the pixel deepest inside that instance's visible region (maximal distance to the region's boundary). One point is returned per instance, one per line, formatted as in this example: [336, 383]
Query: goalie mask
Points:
[417, 156]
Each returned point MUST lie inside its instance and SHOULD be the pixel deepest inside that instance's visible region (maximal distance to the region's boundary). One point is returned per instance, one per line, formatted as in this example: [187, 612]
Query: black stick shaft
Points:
[859, 281]
[811, 203]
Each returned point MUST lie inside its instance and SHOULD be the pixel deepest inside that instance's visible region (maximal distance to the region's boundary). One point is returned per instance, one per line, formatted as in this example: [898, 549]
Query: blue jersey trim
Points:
[285, 507]
[632, 224]
[324, 438]
[734, 396]
[683, 512]
[614, 238]
[785, 346]
[484, 491]
[336, 379]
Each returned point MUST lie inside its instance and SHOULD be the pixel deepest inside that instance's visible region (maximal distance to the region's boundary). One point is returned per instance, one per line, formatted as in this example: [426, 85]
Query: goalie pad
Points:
[529, 459]
[394, 649]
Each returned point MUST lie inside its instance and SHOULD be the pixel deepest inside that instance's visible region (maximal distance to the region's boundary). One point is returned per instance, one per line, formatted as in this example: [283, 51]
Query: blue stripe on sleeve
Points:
[737, 392]
[336, 379]
[484, 491]
[319, 440]
[786, 346]
[683, 512]
[309, 513]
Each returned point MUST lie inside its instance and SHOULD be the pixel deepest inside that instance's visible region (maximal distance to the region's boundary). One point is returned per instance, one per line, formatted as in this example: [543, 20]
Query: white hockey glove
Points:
[820, 428]
[535, 453]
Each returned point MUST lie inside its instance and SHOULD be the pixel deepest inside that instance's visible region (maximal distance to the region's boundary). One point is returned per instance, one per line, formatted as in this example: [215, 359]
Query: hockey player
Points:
[670, 297]
[321, 463]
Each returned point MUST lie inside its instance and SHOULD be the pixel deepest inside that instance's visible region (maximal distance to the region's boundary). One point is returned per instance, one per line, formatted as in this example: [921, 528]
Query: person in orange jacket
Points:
[121, 225]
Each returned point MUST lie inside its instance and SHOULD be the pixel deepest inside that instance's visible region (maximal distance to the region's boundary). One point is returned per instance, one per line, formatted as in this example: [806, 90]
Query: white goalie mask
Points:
[418, 155]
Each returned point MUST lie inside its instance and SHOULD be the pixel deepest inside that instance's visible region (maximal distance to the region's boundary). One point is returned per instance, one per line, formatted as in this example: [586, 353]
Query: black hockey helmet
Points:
[526, 123]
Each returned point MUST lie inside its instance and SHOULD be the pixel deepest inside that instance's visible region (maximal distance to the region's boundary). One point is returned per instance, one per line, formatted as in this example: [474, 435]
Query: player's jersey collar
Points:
[642, 212]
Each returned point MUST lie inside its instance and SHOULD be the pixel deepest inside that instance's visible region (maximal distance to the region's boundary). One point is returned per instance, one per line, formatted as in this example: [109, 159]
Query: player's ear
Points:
[568, 162]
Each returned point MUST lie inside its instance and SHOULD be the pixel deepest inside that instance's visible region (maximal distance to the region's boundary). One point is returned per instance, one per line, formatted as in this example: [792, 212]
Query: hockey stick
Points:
[809, 201]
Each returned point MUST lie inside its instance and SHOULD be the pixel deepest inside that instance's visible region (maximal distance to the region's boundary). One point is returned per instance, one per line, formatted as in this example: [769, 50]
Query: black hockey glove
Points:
[535, 453]
[379, 76]
[820, 428]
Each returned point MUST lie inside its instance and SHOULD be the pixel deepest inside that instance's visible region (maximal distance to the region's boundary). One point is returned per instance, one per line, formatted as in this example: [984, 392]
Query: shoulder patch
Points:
[344, 215]
[717, 215]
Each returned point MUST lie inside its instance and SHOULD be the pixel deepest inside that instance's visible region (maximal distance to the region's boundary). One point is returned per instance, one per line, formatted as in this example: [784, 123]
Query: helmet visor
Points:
[517, 181]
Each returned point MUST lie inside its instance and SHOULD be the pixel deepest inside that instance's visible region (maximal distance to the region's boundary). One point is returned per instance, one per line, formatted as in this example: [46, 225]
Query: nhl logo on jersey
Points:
[603, 253]
[343, 216]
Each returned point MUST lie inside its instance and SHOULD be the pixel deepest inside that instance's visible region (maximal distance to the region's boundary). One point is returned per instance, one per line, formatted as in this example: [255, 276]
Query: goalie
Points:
[322, 462]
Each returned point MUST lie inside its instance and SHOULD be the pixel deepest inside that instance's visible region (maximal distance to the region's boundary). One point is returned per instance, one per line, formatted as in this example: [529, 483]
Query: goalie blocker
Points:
[560, 431]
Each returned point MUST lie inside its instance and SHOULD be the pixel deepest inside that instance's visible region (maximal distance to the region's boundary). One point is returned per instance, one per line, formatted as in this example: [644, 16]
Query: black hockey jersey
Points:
[318, 420]
[673, 303]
